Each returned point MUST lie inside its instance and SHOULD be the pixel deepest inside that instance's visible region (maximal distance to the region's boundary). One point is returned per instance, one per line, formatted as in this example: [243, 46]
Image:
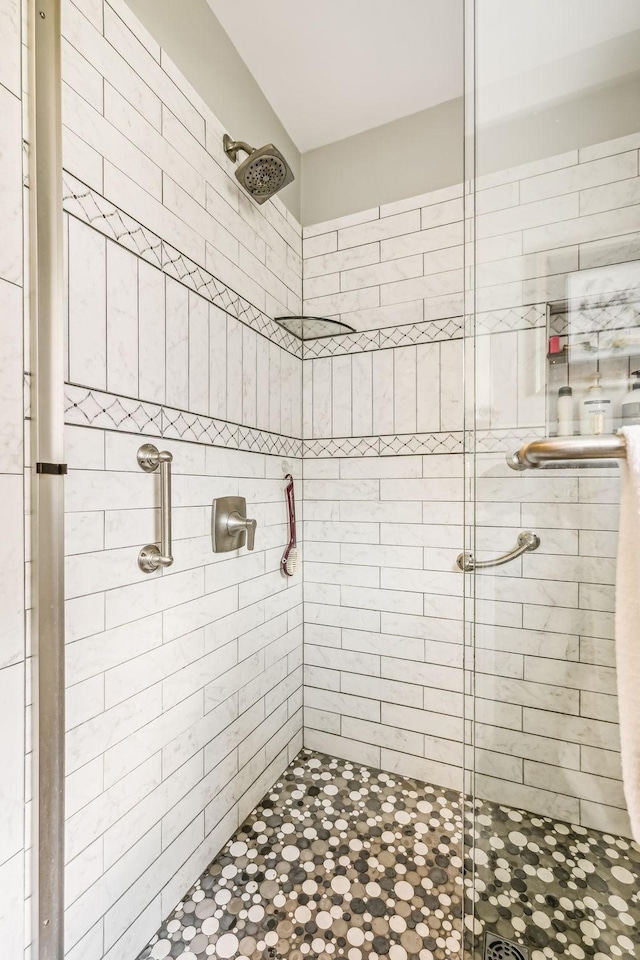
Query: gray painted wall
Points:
[196, 42]
[599, 114]
[407, 157]
[400, 159]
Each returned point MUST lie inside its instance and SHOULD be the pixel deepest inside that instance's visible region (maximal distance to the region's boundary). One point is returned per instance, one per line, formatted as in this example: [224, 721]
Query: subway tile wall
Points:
[385, 654]
[15, 693]
[184, 687]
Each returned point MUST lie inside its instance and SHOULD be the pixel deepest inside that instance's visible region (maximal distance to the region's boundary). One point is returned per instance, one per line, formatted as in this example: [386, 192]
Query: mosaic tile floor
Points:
[340, 860]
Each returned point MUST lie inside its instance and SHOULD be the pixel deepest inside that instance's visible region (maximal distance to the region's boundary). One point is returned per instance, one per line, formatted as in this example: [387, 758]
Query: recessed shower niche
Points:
[593, 348]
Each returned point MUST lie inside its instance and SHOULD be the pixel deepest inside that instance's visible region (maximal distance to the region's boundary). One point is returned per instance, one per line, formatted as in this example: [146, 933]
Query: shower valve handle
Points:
[237, 524]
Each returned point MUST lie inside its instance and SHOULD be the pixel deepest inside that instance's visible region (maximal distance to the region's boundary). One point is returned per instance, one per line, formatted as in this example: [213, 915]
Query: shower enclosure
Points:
[409, 748]
[554, 301]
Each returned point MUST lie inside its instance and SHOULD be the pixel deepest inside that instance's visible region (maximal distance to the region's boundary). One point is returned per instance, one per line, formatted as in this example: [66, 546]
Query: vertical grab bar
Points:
[151, 557]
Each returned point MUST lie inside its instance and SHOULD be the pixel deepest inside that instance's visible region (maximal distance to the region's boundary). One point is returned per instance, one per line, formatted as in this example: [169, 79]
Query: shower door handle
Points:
[151, 557]
[527, 541]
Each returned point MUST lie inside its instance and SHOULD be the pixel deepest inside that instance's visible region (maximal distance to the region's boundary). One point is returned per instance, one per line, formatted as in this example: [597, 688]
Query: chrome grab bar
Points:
[527, 541]
[150, 557]
[537, 453]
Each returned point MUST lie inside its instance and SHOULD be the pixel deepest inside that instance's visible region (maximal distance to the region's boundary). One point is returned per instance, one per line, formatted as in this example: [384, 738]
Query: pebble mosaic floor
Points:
[340, 860]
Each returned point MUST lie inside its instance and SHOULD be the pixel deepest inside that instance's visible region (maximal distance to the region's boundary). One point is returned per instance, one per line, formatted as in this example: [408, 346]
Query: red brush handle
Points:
[291, 508]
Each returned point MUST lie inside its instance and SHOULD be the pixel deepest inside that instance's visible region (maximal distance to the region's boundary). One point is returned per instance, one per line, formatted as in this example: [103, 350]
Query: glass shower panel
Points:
[553, 342]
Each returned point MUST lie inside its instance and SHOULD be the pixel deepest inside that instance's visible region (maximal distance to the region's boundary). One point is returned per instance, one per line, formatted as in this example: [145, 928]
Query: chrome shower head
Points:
[263, 172]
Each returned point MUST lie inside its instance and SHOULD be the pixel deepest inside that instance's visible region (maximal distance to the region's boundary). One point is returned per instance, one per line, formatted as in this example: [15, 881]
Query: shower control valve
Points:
[230, 526]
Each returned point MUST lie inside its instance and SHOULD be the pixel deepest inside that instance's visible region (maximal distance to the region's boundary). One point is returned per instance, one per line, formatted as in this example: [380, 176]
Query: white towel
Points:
[628, 625]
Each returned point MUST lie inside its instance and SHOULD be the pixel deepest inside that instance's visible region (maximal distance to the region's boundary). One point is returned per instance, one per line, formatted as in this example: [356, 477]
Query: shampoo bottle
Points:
[565, 411]
[596, 410]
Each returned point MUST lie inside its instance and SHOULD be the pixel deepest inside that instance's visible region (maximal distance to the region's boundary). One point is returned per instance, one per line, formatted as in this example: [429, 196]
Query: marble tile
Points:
[380, 229]
[11, 378]
[582, 176]
[110, 143]
[87, 306]
[198, 354]
[151, 332]
[122, 321]
[11, 253]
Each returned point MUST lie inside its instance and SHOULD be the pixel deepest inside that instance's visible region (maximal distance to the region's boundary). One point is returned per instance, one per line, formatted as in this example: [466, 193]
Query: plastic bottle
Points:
[597, 415]
[565, 411]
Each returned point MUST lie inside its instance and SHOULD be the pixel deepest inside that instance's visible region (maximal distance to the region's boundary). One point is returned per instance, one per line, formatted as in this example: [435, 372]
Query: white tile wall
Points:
[15, 693]
[184, 698]
[163, 160]
[384, 621]
[183, 686]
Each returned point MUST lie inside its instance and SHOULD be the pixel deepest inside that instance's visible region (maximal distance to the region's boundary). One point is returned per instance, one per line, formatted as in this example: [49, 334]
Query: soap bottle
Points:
[596, 410]
[565, 411]
[630, 407]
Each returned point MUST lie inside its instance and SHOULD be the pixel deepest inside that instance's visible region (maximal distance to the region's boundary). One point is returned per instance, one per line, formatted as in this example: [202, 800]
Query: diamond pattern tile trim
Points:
[481, 441]
[614, 316]
[400, 445]
[106, 411]
[514, 318]
[500, 441]
[89, 206]
[430, 331]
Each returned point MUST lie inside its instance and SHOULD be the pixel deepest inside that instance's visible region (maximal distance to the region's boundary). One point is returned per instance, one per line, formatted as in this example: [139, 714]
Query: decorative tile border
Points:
[429, 331]
[513, 318]
[92, 208]
[400, 445]
[387, 446]
[501, 441]
[613, 316]
[107, 411]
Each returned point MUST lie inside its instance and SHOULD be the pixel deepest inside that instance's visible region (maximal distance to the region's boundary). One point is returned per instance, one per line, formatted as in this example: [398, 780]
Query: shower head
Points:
[263, 172]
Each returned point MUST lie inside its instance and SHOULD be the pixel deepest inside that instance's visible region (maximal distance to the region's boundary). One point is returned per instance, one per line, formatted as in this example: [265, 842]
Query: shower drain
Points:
[497, 948]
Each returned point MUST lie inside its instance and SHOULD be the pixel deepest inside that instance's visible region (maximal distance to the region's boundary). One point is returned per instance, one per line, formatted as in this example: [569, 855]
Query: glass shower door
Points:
[553, 343]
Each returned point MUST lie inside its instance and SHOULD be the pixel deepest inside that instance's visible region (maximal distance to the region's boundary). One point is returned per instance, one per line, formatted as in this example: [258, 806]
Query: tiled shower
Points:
[218, 701]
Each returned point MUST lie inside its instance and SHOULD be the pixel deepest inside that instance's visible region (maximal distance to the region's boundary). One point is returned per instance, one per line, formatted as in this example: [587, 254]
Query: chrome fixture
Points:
[497, 948]
[230, 528]
[263, 172]
[551, 451]
[151, 557]
[527, 542]
[313, 328]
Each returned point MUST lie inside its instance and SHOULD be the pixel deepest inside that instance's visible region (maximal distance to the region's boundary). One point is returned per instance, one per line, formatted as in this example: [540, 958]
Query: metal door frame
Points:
[47, 475]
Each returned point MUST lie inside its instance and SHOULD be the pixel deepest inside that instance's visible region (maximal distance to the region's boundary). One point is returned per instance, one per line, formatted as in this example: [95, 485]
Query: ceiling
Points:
[334, 68]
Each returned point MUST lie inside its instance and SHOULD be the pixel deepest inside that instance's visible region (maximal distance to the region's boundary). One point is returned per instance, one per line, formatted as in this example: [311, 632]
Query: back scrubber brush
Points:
[291, 558]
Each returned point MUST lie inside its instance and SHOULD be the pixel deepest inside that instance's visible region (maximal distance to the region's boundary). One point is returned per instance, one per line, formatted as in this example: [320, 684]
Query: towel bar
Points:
[537, 453]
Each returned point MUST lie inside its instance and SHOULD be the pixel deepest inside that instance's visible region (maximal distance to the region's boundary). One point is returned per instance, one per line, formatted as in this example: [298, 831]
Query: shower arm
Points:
[231, 147]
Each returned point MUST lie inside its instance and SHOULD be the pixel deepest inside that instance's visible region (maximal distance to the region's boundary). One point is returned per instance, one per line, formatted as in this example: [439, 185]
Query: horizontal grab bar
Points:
[536, 453]
[527, 542]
